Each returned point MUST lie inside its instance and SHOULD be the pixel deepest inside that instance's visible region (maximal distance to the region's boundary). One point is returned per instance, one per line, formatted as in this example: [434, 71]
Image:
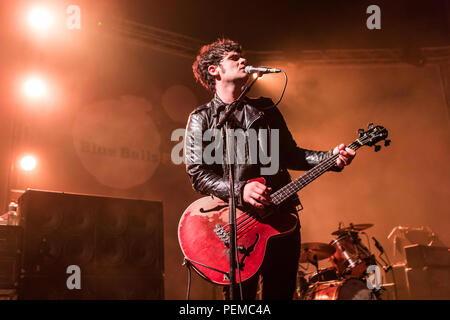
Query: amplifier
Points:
[429, 283]
[10, 250]
[90, 247]
[418, 256]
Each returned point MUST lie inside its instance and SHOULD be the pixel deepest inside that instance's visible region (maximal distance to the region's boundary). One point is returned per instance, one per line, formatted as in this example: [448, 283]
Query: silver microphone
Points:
[252, 69]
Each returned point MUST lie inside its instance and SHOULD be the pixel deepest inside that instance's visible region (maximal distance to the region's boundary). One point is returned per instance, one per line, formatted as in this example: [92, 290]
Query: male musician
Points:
[219, 67]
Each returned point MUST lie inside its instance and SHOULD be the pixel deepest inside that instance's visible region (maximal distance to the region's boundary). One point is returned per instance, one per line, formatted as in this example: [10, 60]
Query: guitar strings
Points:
[243, 232]
[248, 222]
[245, 223]
[245, 218]
[285, 192]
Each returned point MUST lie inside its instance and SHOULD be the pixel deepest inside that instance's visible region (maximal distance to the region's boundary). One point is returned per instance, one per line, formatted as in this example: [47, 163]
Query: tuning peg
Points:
[360, 132]
[370, 125]
[377, 148]
[387, 143]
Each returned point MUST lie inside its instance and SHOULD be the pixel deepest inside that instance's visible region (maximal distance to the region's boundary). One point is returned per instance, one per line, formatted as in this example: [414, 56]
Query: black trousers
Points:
[278, 273]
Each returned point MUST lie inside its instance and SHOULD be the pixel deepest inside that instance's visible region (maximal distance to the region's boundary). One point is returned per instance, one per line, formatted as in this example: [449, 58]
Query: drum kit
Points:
[347, 278]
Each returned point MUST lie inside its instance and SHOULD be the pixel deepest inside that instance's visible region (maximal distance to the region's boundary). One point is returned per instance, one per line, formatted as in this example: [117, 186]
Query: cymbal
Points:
[353, 227]
[315, 251]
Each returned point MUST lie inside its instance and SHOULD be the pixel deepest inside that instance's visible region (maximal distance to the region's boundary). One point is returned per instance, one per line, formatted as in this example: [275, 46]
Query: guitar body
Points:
[203, 231]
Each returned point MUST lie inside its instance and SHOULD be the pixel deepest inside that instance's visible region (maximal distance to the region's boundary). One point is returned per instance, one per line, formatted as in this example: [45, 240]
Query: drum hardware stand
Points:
[387, 265]
[386, 268]
[314, 262]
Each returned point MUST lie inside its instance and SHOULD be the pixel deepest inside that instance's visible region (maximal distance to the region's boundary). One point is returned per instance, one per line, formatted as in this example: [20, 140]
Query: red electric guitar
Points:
[203, 230]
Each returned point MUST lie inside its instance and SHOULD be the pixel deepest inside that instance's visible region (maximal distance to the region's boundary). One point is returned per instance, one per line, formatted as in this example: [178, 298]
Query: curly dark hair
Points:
[209, 55]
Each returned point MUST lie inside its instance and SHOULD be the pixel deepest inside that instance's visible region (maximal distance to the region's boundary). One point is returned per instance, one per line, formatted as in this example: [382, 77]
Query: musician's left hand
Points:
[346, 155]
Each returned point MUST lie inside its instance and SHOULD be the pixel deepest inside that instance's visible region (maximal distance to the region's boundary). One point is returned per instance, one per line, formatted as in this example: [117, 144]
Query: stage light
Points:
[40, 18]
[28, 163]
[34, 87]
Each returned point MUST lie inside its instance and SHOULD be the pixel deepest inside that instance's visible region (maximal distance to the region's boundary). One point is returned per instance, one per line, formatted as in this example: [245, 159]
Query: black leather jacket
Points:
[260, 113]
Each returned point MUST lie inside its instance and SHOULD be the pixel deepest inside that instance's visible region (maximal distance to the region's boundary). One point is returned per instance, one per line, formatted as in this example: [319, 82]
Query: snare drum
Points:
[350, 289]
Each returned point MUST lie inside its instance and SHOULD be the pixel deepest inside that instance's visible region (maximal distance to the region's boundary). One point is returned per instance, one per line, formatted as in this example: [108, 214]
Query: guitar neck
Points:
[293, 187]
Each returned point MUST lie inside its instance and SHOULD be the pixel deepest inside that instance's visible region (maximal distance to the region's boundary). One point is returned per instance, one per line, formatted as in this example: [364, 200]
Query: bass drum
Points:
[351, 289]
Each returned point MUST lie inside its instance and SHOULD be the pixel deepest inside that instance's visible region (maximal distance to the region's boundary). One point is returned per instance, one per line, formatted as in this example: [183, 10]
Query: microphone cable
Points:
[284, 88]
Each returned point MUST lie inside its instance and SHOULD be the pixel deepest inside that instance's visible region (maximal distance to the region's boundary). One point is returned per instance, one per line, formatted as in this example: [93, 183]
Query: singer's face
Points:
[232, 67]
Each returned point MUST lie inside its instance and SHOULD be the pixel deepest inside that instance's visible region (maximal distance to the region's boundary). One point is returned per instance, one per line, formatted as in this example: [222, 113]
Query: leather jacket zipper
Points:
[253, 120]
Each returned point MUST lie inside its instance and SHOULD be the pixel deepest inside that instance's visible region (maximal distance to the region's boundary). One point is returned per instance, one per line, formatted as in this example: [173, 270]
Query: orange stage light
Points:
[34, 87]
[28, 162]
[40, 18]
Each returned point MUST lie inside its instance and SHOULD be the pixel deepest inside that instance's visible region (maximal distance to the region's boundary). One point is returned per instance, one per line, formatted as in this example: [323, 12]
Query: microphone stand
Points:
[224, 120]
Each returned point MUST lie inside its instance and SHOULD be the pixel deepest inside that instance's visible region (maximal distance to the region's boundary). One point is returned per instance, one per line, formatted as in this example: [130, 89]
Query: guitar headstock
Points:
[373, 135]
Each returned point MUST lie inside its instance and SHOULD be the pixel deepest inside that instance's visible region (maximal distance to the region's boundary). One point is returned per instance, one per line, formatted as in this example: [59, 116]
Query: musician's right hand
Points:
[257, 194]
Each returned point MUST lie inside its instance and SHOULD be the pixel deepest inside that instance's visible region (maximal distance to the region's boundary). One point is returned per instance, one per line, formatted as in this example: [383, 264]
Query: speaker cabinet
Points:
[90, 247]
[419, 256]
[10, 252]
[428, 272]
[429, 283]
